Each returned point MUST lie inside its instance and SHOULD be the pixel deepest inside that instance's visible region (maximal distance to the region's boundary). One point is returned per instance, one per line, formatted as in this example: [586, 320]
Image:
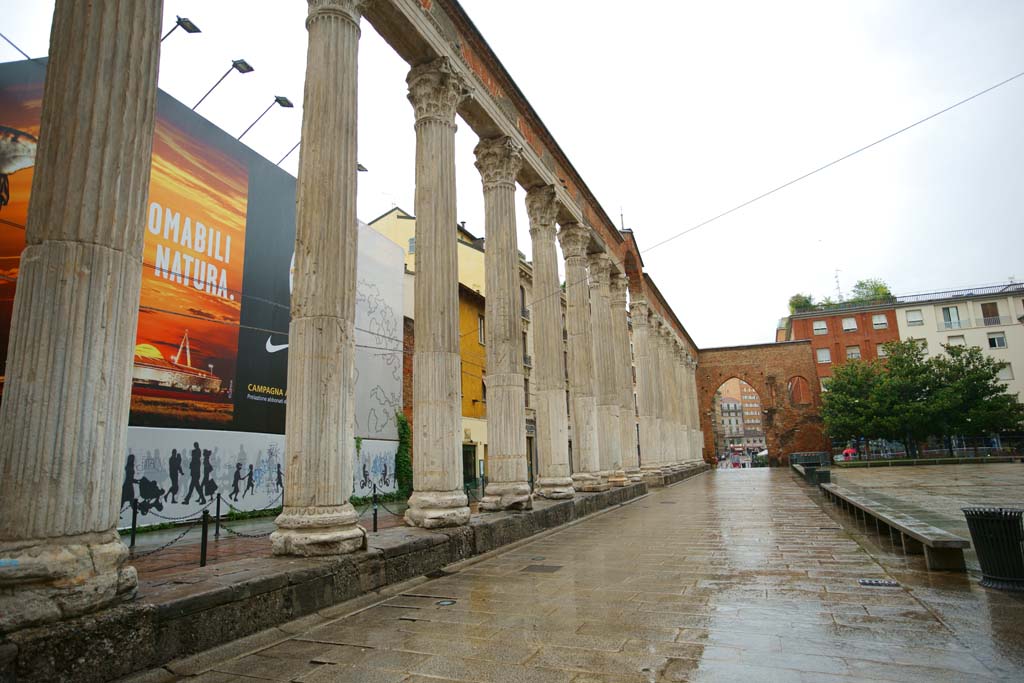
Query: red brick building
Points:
[844, 332]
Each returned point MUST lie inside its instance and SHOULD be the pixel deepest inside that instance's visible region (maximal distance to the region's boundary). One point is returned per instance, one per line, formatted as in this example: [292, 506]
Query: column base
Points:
[506, 495]
[618, 479]
[317, 531]
[588, 482]
[634, 474]
[555, 488]
[437, 509]
[45, 580]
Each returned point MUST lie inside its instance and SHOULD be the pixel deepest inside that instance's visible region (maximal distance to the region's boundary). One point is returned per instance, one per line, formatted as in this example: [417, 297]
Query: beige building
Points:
[991, 318]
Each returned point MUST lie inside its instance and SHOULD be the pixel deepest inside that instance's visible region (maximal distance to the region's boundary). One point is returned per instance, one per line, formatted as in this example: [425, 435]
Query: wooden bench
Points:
[942, 550]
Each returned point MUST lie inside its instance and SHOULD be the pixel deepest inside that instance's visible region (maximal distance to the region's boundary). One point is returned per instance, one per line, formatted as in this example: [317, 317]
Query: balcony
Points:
[945, 325]
[998, 320]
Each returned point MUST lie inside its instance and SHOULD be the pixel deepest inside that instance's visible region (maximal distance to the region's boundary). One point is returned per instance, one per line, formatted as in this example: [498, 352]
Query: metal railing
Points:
[997, 320]
[945, 325]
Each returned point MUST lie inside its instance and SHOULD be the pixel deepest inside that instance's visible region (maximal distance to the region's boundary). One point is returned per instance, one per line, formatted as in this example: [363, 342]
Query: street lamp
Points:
[278, 99]
[359, 166]
[184, 23]
[239, 65]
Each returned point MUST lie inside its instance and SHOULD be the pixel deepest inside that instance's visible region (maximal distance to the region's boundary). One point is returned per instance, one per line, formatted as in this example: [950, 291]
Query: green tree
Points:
[870, 289]
[800, 302]
[848, 406]
[403, 456]
[969, 398]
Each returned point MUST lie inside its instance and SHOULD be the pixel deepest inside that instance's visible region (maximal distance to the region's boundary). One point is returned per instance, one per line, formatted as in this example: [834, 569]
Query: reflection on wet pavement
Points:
[744, 578]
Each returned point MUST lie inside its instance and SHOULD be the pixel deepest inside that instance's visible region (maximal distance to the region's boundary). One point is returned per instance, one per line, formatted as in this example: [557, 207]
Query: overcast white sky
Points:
[677, 111]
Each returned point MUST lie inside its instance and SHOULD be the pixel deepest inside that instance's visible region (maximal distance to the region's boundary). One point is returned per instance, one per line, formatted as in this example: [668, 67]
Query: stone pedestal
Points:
[574, 239]
[508, 486]
[624, 377]
[317, 518]
[435, 90]
[553, 480]
[608, 411]
[64, 419]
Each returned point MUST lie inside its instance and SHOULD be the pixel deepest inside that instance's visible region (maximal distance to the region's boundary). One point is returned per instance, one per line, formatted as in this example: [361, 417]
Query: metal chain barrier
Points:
[165, 546]
[231, 531]
[396, 514]
[183, 518]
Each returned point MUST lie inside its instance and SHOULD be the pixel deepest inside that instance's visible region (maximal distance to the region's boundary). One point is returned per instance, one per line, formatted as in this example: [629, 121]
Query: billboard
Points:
[209, 380]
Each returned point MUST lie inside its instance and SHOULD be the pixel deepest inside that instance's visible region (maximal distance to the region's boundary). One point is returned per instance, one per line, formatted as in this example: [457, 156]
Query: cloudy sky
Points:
[674, 112]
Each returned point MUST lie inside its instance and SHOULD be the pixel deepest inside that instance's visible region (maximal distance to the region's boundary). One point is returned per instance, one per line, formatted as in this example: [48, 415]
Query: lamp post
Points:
[239, 65]
[278, 99]
[359, 166]
[184, 23]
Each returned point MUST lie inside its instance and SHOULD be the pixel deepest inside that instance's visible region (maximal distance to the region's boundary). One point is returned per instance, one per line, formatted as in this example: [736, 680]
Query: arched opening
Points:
[799, 390]
[739, 426]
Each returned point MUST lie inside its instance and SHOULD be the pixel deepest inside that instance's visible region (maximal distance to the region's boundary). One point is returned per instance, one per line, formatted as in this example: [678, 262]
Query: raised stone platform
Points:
[690, 469]
[204, 607]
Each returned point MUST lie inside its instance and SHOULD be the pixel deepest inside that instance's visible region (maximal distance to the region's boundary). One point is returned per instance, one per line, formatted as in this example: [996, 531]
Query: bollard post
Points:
[216, 527]
[374, 508]
[202, 543]
[135, 519]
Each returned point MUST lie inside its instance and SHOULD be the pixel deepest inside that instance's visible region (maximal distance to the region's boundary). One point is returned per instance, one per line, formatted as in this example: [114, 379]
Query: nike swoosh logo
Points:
[274, 348]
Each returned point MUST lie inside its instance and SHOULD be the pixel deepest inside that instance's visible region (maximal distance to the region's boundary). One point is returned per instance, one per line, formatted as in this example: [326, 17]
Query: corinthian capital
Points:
[436, 89]
[574, 238]
[350, 10]
[498, 160]
[542, 207]
[619, 287]
[600, 267]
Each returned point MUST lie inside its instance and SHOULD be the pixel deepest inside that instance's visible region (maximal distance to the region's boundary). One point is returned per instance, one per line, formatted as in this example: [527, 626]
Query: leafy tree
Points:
[870, 289]
[970, 398]
[800, 302]
[847, 407]
[403, 456]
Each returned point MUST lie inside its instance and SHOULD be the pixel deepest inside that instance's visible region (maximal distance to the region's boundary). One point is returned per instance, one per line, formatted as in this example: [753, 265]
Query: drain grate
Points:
[883, 583]
[541, 568]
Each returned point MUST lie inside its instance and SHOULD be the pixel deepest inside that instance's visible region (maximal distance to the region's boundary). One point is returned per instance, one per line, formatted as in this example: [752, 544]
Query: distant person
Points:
[236, 480]
[174, 468]
[195, 469]
[249, 485]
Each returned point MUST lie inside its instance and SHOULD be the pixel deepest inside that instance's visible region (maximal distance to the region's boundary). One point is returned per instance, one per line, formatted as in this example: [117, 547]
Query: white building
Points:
[991, 318]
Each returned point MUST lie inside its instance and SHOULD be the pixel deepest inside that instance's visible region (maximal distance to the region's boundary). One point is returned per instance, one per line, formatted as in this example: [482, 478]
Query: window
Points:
[820, 327]
[852, 353]
[951, 318]
[880, 350]
[526, 391]
[990, 313]
[825, 381]
[1006, 372]
[921, 344]
[879, 321]
[914, 318]
[957, 340]
[849, 324]
[412, 245]
[997, 340]
[824, 356]
[481, 329]
[483, 388]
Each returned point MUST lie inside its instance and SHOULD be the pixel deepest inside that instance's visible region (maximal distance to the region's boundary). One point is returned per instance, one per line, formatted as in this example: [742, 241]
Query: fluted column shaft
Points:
[574, 239]
[508, 486]
[697, 436]
[646, 391]
[553, 476]
[64, 419]
[435, 90]
[659, 392]
[608, 410]
[317, 518]
[675, 398]
[684, 402]
[624, 377]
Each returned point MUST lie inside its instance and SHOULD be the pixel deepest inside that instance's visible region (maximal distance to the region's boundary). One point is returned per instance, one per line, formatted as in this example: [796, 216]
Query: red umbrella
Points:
[850, 451]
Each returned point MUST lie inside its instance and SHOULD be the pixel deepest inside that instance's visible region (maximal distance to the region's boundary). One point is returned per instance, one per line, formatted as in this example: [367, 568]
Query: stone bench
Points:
[812, 473]
[942, 550]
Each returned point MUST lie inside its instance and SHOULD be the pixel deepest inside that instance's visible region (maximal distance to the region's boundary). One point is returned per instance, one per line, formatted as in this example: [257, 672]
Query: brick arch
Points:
[767, 368]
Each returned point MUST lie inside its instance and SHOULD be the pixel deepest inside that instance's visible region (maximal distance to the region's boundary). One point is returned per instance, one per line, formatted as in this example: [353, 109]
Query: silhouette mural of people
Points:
[280, 480]
[209, 485]
[195, 468]
[174, 468]
[249, 485]
[128, 487]
[235, 481]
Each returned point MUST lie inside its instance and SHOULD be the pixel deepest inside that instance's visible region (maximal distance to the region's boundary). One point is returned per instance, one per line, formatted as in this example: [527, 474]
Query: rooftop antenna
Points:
[622, 220]
[839, 292]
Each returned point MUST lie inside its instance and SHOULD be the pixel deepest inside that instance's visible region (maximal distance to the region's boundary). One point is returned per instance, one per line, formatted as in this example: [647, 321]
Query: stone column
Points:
[64, 419]
[317, 518]
[697, 436]
[624, 377]
[608, 412]
[574, 239]
[676, 405]
[553, 476]
[508, 485]
[684, 402]
[664, 375]
[438, 499]
[646, 391]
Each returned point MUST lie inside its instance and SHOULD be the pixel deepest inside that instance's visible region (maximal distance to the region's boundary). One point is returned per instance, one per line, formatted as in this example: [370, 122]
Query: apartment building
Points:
[991, 318]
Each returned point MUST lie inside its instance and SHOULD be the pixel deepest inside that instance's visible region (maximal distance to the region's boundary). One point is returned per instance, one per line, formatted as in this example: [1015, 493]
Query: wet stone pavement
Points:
[738, 575]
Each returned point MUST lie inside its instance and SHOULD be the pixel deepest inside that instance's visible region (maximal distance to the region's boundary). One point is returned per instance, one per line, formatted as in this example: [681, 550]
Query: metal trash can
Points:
[998, 537]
